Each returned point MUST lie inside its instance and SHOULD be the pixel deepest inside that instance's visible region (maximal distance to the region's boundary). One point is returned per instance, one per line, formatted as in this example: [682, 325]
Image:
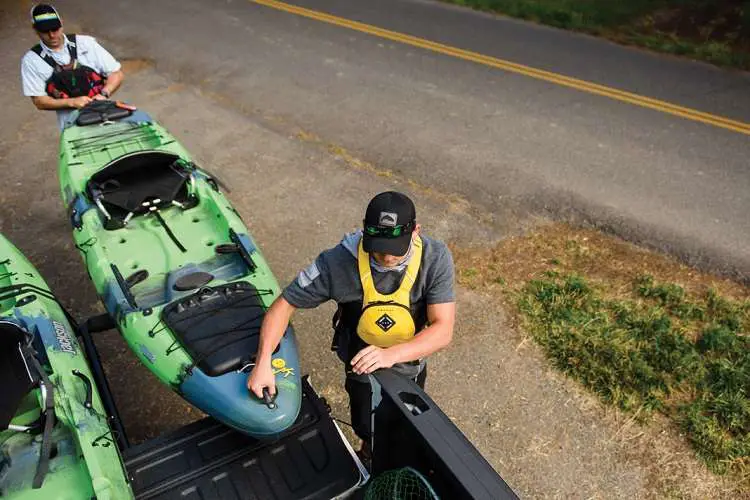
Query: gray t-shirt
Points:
[334, 276]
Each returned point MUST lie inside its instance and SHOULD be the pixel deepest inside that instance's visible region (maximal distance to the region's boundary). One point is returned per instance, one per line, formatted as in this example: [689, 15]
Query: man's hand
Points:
[271, 331]
[370, 359]
[99, 97]
[260, 377]
[79, 102]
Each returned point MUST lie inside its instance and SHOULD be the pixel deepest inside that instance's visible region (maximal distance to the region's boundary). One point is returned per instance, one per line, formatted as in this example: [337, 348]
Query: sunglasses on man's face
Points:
[388, 231]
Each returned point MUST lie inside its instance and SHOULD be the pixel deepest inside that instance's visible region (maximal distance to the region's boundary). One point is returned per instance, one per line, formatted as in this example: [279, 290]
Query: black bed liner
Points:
[206, 460]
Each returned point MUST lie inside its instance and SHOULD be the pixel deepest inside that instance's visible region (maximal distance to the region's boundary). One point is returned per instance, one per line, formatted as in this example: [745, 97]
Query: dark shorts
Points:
[360, 401]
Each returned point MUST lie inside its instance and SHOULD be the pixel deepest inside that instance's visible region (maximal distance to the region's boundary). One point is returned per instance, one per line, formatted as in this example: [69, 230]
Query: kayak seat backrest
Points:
[15, 376]
[101, 111]
[128, 182]
[218, 326]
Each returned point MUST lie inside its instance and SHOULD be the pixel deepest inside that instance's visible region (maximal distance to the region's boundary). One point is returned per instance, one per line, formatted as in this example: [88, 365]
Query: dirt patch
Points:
[131, 66]
[700, 21]
[457, 203]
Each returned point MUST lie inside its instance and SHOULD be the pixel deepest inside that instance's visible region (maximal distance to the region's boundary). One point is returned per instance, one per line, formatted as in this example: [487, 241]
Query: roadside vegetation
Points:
[644, 333]
[716, 31]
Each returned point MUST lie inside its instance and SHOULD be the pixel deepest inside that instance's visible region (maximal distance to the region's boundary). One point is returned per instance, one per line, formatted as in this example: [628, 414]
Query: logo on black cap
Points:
[388, 219]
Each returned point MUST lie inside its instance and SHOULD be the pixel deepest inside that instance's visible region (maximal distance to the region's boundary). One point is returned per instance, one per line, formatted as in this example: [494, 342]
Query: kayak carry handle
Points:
[268, 399]
[89, 389]
[136, 277]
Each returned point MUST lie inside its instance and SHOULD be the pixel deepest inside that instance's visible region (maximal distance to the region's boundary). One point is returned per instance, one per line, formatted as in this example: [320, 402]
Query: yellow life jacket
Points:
[386, 319]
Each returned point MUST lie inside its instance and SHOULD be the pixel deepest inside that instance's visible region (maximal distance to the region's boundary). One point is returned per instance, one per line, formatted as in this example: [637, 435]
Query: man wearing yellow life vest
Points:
[394, 289]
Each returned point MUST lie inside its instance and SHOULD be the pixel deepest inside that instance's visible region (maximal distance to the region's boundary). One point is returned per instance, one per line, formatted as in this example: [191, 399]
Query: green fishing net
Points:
[400, 484]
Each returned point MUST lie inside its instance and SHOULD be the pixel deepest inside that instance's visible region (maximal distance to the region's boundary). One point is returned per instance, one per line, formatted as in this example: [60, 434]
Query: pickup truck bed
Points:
[206, 460]
[312, 459]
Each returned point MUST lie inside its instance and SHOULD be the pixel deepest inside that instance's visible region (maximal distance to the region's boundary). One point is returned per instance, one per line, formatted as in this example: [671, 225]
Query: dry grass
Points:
[569, 287]
[606, 261]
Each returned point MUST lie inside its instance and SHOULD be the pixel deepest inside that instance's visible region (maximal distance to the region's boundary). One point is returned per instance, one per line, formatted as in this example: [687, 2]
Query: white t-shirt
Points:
[35, 71]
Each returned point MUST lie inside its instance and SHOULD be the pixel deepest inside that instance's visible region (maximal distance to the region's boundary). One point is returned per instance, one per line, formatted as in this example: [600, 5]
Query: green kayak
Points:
[55, 441]
[176, 268]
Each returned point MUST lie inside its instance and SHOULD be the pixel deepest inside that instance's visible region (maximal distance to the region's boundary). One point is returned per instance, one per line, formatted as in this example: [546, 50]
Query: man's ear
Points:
[417, 229]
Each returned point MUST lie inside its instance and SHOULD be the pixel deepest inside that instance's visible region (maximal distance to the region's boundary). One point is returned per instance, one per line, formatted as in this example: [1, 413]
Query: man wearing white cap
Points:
[64, 73]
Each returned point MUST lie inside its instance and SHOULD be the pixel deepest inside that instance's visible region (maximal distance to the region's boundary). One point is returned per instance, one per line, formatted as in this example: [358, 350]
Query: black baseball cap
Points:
[389, 222]
[44, 17]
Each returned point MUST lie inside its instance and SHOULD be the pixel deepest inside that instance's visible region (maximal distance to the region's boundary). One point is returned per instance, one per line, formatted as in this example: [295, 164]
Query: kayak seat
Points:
[218, 326]
[15, 376]
[133, 183]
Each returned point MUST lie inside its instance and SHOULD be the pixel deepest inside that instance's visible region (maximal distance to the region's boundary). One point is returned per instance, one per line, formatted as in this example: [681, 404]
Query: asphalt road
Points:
[307, 121]
[509, 144]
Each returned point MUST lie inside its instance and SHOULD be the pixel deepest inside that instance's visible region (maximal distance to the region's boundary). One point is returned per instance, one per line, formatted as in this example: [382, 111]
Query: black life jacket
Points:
[72, 79]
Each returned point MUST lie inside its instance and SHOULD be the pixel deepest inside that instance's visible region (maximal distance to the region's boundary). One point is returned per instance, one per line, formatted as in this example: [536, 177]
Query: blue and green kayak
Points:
[55, 437]
[174, 265]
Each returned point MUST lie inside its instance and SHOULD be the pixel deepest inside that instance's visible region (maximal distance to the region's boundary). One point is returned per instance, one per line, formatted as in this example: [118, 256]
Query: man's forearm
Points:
[430, 340]
[46, 102]
[274, 325]
[114, 80]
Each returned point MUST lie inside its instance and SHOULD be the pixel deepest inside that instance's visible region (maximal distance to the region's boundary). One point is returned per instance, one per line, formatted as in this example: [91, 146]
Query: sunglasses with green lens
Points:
[387, 231]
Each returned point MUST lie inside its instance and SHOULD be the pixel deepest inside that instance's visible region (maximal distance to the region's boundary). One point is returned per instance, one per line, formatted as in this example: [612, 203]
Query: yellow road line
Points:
[548, 76]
